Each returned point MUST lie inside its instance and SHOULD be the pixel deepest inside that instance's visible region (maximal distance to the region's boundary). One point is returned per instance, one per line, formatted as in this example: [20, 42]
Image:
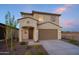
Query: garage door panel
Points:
[47, 34]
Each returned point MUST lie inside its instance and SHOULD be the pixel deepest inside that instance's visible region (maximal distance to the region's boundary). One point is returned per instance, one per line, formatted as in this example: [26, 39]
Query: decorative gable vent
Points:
[28, 21]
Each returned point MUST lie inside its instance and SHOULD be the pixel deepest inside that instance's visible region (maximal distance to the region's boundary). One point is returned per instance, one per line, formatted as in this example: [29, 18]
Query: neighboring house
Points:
[39, 26]
[3, 31]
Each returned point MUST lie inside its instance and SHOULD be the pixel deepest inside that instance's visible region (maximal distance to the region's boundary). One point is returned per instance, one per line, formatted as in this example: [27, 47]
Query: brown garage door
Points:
[47, 34]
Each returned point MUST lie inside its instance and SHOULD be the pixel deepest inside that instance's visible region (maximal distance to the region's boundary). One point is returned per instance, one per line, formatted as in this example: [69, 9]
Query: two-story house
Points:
[39, 26]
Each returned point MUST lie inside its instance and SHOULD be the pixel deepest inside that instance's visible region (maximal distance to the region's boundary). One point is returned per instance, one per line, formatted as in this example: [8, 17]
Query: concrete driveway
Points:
[58, 47]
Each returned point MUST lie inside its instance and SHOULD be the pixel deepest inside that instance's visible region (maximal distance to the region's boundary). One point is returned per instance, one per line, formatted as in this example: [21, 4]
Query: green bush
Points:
[73, 41]
[36, 46]
[23, 43]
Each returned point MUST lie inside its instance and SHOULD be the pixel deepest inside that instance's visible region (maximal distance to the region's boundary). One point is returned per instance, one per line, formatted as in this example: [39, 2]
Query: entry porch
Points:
[28, 33]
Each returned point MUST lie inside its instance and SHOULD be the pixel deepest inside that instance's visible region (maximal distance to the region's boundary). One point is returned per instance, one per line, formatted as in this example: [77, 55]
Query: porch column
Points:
[59, 33]
[35, 34]
[20, 35]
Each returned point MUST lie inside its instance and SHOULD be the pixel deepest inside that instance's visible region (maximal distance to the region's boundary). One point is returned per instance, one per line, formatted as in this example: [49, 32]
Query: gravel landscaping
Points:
[22, 49]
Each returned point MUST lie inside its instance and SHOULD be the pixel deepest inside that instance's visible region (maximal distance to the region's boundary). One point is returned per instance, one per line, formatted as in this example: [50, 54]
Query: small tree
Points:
[11, 25]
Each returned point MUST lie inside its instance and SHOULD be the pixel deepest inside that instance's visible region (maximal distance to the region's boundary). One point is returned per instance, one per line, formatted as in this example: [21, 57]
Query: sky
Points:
[69, 19]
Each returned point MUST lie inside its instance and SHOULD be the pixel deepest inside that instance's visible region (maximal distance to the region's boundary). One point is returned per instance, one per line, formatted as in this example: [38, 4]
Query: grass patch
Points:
[73, 41]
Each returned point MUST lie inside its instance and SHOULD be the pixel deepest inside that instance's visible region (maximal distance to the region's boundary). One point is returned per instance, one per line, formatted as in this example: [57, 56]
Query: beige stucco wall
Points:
[48, 26]
[59, 33]
[20, 35]
[51, 26]
[32, 23]
[26, 16]
[47, 18]
[35, 34]
[23, 37]
[24, 22]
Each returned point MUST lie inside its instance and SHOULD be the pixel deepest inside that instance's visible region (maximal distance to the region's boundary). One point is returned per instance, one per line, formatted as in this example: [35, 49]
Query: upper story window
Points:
[53, 18]
[41, 18]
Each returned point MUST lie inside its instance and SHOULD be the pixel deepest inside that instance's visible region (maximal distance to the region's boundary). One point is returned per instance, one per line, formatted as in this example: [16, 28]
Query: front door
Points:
[31, 33]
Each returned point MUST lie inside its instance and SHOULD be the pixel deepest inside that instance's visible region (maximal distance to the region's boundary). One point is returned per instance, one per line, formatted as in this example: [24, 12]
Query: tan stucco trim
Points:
[49, 22]
[59, 33]
[27, 17]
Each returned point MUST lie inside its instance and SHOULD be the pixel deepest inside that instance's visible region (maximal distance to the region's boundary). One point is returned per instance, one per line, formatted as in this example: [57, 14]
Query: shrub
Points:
[24, 43]
[40, 53]
[36, 46]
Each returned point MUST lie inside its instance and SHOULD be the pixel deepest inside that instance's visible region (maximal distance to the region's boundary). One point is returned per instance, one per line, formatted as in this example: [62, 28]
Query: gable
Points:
[48, 25]
[28, 22]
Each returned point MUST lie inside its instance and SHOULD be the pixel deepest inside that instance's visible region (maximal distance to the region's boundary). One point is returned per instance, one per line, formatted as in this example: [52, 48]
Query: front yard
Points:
[22, 49]
[36, 50]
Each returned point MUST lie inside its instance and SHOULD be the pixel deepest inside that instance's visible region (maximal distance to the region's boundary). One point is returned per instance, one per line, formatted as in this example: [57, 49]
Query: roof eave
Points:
[39, 13]
[25, 13]
[27, 17]
[46, 13]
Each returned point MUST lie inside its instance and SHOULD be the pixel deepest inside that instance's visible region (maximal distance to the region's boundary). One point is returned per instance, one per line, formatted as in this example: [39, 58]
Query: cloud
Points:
[63, 9]
[70, 23]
